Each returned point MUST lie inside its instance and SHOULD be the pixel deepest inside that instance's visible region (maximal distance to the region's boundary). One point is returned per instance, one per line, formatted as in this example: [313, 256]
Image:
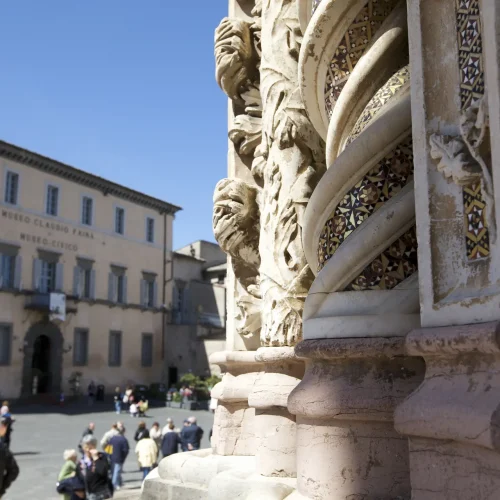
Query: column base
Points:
[453, 419]
[346, 443]
[200, 475]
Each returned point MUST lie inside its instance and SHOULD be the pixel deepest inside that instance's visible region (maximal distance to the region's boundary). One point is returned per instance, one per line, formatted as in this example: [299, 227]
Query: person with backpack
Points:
[119, 452]
[9, 470]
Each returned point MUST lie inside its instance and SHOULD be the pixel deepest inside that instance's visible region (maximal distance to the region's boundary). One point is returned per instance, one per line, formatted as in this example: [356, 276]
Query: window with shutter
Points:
[147, 350]
[87, 210]
[119, 220]
[80, 347]
[52, 200]
[7, 271]
[115, 348]
[5, 344]
[150, 229]
[11, 188]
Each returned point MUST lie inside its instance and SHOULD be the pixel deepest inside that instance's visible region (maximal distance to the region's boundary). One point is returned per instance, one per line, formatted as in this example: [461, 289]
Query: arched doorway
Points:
[42, 367]
[40, 363]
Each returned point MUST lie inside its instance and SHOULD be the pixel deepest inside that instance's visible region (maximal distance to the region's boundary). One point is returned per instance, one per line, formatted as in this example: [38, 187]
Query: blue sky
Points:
[124, 89]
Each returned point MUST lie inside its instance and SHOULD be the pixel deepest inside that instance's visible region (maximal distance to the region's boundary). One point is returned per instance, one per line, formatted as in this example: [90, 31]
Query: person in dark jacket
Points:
[6, 423]
[141, 432]
[191, 435]
[95, 468]
[170, 442]
[89, 431]
[9, 469]
[120, 449]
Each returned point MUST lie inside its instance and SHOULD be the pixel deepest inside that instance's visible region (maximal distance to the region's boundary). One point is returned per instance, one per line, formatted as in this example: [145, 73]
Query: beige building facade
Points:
[197, 326]
[101, 249]
[360, 215]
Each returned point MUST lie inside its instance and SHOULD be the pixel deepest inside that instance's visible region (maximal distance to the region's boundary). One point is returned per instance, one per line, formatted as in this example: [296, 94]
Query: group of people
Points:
[137, 406]
[99, 473]
[9, 469]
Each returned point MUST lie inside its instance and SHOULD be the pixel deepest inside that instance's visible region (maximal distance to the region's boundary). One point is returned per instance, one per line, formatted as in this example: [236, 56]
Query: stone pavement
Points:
[42, 434]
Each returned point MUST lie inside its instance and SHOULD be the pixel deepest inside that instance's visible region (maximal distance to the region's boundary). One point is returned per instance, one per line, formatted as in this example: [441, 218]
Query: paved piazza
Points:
[40, 437]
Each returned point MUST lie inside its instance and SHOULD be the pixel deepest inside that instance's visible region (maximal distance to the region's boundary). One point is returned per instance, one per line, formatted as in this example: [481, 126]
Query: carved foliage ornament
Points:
[461, 157]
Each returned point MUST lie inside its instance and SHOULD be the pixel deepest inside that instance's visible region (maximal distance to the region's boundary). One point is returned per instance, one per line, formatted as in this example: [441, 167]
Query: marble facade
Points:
[359, 216]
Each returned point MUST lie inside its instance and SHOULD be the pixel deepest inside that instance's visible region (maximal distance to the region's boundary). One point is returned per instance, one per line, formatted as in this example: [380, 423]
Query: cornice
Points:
[35, 160]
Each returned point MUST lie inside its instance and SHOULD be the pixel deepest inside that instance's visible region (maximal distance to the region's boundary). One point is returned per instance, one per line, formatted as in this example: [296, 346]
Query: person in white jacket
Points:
[147, 453]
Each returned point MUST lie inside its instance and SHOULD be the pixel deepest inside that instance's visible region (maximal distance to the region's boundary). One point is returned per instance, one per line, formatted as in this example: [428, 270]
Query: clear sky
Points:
[124, 89]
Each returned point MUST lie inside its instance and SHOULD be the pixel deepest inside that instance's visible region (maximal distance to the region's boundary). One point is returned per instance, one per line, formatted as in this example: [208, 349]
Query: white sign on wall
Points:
[57, 307]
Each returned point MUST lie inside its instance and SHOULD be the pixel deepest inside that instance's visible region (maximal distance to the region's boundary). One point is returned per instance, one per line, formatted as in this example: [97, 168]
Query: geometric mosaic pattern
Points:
[470, 52]
[351, 48]
[380, 184]
[477, 239]
[391, 88]
[391, 267]
[470, 62]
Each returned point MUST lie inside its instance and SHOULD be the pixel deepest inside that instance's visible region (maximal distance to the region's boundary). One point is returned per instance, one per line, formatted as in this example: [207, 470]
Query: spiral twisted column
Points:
[359, 239]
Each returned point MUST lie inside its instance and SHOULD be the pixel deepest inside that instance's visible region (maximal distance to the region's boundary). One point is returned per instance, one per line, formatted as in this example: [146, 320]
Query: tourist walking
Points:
[120, 448]
[68, 469]
[118, 400]
[141, 432]
[9, 469]
[170, 442]
[191, 435]
[95, 470]
[146, 452]
[107, 437]
[155, 434]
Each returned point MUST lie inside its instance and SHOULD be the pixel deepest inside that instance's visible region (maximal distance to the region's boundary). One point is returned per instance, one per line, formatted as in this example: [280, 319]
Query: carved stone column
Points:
[234, 423]
[274, 424]
[346, 443]
[453, 418]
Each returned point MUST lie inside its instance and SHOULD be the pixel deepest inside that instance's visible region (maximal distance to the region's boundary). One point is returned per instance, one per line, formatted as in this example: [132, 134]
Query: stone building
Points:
[95, 250]
[197, 326]
[359, 215]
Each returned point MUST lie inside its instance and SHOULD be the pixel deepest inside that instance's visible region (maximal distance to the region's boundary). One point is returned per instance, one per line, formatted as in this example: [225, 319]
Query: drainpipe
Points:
[164, 287]
[164, 296]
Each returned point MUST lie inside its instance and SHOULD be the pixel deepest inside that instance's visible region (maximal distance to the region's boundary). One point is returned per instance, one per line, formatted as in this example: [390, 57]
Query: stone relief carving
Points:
[455, 161]
[461, 158]
[288, 161]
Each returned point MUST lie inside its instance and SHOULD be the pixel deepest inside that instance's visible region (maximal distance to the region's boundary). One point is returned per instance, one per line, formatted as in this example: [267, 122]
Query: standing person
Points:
[141, 432]
[107, 437]
[155, 435]
[146, 452]
[120, 449]
[7, 418]
[170, 442]
[91, 390]
[192, 435]
[118, 400]
[68, 469]
[129, 395]
[9, 469]
[166, 428]
[89, 431]
[185, 425]
[95, 470]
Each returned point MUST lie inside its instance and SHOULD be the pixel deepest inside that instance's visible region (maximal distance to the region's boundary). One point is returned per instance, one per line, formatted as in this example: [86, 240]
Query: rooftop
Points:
[54, 167]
